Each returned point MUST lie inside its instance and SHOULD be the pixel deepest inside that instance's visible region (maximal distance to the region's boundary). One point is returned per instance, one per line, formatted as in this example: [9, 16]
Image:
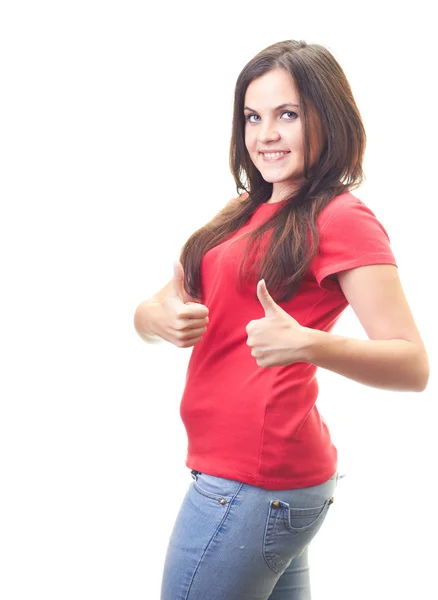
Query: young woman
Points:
[256, 293]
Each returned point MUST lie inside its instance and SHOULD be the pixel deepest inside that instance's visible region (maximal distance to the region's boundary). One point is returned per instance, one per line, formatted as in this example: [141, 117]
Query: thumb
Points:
[265, 298]
[178, 284]
[178, 280]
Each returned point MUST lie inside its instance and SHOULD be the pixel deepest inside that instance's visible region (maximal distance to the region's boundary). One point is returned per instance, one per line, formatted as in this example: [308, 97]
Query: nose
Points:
[268, 132]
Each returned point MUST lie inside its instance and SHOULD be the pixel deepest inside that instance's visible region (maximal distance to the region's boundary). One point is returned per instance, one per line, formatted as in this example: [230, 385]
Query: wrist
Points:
[323, 344]
[145, 319]
[313, 340]
[150, 338]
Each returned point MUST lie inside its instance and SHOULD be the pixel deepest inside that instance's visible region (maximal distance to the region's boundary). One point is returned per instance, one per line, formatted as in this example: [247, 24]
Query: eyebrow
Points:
[277, 107]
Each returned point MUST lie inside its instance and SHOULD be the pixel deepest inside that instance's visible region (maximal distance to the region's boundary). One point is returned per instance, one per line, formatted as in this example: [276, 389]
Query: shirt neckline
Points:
[273, 203]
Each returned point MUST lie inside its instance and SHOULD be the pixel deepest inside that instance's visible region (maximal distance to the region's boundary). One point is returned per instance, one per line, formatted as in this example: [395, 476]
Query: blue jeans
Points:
[234, 541]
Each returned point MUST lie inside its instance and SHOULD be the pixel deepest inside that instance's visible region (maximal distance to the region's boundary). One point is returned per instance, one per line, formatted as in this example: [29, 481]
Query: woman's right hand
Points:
[181, 321]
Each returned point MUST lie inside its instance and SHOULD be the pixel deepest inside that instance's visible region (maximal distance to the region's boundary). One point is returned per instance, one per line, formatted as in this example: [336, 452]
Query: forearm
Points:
[387, 364]
[144, 321]
[146, 313]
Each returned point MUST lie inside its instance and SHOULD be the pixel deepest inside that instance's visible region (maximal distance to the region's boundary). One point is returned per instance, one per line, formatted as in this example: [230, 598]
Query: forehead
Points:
[271, 89]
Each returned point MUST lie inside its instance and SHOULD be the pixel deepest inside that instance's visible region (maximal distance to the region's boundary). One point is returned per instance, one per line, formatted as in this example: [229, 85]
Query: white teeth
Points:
[273, 154]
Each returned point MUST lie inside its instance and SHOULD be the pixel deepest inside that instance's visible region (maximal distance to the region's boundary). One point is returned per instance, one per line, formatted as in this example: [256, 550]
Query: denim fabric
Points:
[234, 541]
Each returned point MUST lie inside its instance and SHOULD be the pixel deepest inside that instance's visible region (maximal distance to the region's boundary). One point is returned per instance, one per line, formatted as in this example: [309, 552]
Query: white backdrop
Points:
[115, 128]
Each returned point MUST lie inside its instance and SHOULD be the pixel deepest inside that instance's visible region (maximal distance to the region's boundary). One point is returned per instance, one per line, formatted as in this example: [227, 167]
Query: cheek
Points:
[249, 141]
[249, 146]
[296, 138]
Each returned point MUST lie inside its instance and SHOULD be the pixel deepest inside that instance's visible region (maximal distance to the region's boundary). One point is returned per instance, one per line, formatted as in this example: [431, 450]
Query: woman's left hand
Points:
[277, 339]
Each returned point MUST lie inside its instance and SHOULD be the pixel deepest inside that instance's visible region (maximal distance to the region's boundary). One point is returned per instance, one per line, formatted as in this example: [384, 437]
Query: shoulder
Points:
[347, 212]
[350, 236]
[344, 204]
[238, 199]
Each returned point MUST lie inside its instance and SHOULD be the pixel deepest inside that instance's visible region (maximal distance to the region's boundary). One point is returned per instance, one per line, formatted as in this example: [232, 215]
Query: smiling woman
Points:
[288, 254]
[291, 97]
[275, 136]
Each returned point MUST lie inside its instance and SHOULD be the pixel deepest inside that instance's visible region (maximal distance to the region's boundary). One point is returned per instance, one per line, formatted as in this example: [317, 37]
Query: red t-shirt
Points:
[259, 425]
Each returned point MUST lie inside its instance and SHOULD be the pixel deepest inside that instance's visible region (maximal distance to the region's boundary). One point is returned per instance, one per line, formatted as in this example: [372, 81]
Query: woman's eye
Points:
[286, 112]
[248, 118]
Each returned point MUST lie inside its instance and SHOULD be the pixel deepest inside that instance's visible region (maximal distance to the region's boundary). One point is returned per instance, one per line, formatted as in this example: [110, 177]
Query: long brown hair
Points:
[323, 89]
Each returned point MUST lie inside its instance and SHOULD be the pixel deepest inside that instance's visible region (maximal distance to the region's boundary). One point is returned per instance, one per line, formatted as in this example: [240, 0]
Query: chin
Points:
[272, 179]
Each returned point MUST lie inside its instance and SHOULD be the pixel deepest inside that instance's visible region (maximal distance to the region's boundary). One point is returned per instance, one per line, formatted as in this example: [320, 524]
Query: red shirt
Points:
[259, 425]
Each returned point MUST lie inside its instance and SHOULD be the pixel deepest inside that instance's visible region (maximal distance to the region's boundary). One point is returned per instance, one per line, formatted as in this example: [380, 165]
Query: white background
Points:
[115, 129]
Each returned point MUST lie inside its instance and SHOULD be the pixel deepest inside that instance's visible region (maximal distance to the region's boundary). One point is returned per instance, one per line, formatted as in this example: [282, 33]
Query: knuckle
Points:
[180, 324]
[180, 312]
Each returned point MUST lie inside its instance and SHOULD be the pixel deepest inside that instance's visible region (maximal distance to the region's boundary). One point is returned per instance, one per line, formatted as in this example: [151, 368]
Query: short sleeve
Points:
[350, 236]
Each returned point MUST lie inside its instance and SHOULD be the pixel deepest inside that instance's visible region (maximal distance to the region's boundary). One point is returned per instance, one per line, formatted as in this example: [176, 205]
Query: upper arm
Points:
[376, 295]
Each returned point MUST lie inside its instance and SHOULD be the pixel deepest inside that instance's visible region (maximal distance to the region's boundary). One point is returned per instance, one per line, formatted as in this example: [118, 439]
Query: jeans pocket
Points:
[216, 488]
[289, 530]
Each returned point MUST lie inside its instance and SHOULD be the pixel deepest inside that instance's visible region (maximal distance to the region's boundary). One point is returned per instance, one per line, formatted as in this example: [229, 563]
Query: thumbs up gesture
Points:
[178, 284]
[181, 320]
[277, 339]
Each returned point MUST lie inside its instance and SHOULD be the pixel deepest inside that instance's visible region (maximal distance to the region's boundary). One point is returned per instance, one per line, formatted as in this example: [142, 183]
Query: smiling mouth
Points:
[276, 157]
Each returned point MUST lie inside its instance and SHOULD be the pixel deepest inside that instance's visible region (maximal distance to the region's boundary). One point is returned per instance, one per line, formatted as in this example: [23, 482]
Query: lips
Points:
[275, 158]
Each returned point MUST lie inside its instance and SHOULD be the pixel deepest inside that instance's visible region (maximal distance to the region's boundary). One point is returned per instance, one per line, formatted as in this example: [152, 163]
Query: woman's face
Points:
[273, 123]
